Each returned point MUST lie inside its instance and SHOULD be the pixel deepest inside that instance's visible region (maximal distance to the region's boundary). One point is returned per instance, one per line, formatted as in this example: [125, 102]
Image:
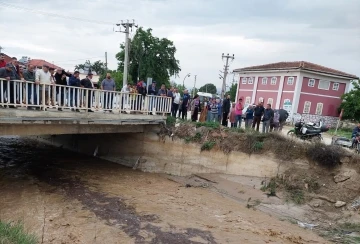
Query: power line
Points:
[77, 59]
[6, 5]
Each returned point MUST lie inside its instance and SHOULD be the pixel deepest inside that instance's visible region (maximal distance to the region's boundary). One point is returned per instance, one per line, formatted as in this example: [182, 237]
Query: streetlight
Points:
[188, 75]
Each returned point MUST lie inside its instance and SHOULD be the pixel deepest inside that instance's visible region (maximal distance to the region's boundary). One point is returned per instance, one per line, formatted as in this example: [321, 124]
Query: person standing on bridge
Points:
[29, 75]
[74, 81]
[5, 73]
[60, 79]
[87, 83]
[108, 85]
[43, 79]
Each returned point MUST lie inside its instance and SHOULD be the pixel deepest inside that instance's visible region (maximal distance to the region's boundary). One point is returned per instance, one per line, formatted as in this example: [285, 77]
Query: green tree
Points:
[350, 103]
[232, 92]
[150, 56]
[98, 66]
[209, 88]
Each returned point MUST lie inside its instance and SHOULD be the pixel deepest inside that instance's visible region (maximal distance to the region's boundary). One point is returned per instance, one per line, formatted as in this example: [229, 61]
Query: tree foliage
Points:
[150, 56]
[351, 103]
[98, 66]
[232, 92]
[209, 88]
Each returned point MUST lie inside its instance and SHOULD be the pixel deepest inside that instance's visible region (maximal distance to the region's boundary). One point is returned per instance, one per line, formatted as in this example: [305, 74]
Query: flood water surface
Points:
[64, 197]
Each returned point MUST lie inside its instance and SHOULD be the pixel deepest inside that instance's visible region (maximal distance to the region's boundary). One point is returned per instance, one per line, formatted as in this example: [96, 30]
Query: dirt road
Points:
[68, 198]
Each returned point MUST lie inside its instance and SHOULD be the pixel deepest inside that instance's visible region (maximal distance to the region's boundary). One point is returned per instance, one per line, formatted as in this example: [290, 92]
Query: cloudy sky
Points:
[256, 32]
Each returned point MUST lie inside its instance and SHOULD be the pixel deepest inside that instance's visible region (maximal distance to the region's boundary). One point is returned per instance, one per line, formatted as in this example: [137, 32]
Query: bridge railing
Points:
[20, 93]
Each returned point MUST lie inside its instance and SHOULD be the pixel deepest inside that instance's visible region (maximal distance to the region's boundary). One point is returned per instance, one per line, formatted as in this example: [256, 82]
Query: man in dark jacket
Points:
[5, 73]
[152, 92]
[141, 89]
[226, 110]
[29, 75]
[87, 83]
[258, 113]
[74, 81]
[184, 105]
[60, 79]
[267, 118]
[355, 133]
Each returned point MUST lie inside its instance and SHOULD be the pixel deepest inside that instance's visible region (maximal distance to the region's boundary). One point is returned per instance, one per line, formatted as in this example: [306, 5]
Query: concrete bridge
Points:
[48, 109]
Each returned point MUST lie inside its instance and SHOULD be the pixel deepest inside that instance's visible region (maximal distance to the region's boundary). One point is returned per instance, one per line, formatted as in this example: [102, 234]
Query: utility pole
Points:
[127, 25]
[226, 69]
[194, 86]
[106, 63]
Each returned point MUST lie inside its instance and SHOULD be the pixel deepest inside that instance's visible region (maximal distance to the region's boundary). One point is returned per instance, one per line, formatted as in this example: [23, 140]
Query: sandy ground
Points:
[69, 198]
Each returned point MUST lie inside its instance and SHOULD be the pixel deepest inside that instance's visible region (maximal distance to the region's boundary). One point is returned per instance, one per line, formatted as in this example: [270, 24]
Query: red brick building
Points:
[312, 90]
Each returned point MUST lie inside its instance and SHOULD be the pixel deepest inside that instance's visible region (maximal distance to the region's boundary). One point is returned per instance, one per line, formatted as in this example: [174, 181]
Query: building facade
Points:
[302, 88]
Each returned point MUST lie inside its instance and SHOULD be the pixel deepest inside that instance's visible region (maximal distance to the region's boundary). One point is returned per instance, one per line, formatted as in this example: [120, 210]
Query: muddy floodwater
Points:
[65, 197]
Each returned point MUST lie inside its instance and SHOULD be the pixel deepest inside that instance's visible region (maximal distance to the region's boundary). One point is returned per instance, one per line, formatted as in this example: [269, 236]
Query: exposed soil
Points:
[64, 197]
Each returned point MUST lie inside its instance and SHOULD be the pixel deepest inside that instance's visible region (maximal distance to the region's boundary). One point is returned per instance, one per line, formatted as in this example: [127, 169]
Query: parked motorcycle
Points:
[308, 131]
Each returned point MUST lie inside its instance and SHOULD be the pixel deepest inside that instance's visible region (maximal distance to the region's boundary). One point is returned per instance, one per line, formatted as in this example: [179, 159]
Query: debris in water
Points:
[306, 225]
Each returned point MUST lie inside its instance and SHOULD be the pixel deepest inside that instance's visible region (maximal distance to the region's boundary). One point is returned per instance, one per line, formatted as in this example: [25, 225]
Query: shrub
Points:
[208, 145]
[170, 121]
[297, 196]
[325, 155]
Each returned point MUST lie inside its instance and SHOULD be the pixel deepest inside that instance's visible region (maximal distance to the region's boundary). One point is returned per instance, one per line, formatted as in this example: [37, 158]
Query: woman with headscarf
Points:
[195, 107]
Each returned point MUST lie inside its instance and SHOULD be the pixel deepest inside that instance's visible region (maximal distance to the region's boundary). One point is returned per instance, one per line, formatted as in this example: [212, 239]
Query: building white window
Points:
[250, 81]
[307, 106]
[261, 99]
[335, 86]
[264, 81]
[244, 80]
[324, 85]
[290, 81]
[270, 101]
[311, 83]
[247, 100]
[273, 81]
[319, 109]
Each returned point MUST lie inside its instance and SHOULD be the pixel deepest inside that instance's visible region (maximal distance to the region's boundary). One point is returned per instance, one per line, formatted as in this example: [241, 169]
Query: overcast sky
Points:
[256, 32]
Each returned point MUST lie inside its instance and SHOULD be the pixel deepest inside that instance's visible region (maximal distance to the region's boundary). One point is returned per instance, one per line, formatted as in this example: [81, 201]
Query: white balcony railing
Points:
[19, 93]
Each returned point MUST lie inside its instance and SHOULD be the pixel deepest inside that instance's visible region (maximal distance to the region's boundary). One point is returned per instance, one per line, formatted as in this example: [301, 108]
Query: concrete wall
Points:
[172, 157]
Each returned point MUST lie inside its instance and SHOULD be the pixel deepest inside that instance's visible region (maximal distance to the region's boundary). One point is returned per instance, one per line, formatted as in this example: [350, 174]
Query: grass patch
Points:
[170, 121]
[345, 132]
[212, 125]
[296, 196]
[208, 145]
[271, 187]
[14, 233]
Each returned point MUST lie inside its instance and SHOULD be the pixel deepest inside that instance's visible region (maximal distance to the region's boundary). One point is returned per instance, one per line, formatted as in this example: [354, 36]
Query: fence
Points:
[20, 93]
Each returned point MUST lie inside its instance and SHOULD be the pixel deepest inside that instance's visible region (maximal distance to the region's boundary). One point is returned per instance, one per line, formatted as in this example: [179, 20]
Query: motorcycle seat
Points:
[313, 131]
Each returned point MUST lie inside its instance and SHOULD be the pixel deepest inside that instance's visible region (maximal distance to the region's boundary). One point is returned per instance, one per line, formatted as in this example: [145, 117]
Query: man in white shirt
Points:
[43, 78]
[176, 102]
[125, 96]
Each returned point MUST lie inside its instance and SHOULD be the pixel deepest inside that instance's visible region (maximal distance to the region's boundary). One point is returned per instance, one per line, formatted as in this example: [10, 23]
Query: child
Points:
[232, 116]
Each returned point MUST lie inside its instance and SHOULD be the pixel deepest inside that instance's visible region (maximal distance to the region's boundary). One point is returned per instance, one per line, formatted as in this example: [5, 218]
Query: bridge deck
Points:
[30, 122]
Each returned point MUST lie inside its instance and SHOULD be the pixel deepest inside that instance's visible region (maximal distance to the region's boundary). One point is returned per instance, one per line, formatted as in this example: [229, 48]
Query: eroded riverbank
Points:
[64, 197]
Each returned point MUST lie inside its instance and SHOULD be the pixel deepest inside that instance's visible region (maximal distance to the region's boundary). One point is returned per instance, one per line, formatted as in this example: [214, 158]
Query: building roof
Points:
[7, 58]
[40, 63]
[303, 65]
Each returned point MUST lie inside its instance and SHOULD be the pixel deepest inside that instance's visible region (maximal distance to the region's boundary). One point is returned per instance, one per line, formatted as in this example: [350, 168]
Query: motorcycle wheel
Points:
[291, 133]
[358, 148]
[316, 139]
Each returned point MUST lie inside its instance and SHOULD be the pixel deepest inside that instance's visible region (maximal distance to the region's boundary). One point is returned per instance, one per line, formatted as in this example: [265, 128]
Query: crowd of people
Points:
[228, 113]
[63, 96]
